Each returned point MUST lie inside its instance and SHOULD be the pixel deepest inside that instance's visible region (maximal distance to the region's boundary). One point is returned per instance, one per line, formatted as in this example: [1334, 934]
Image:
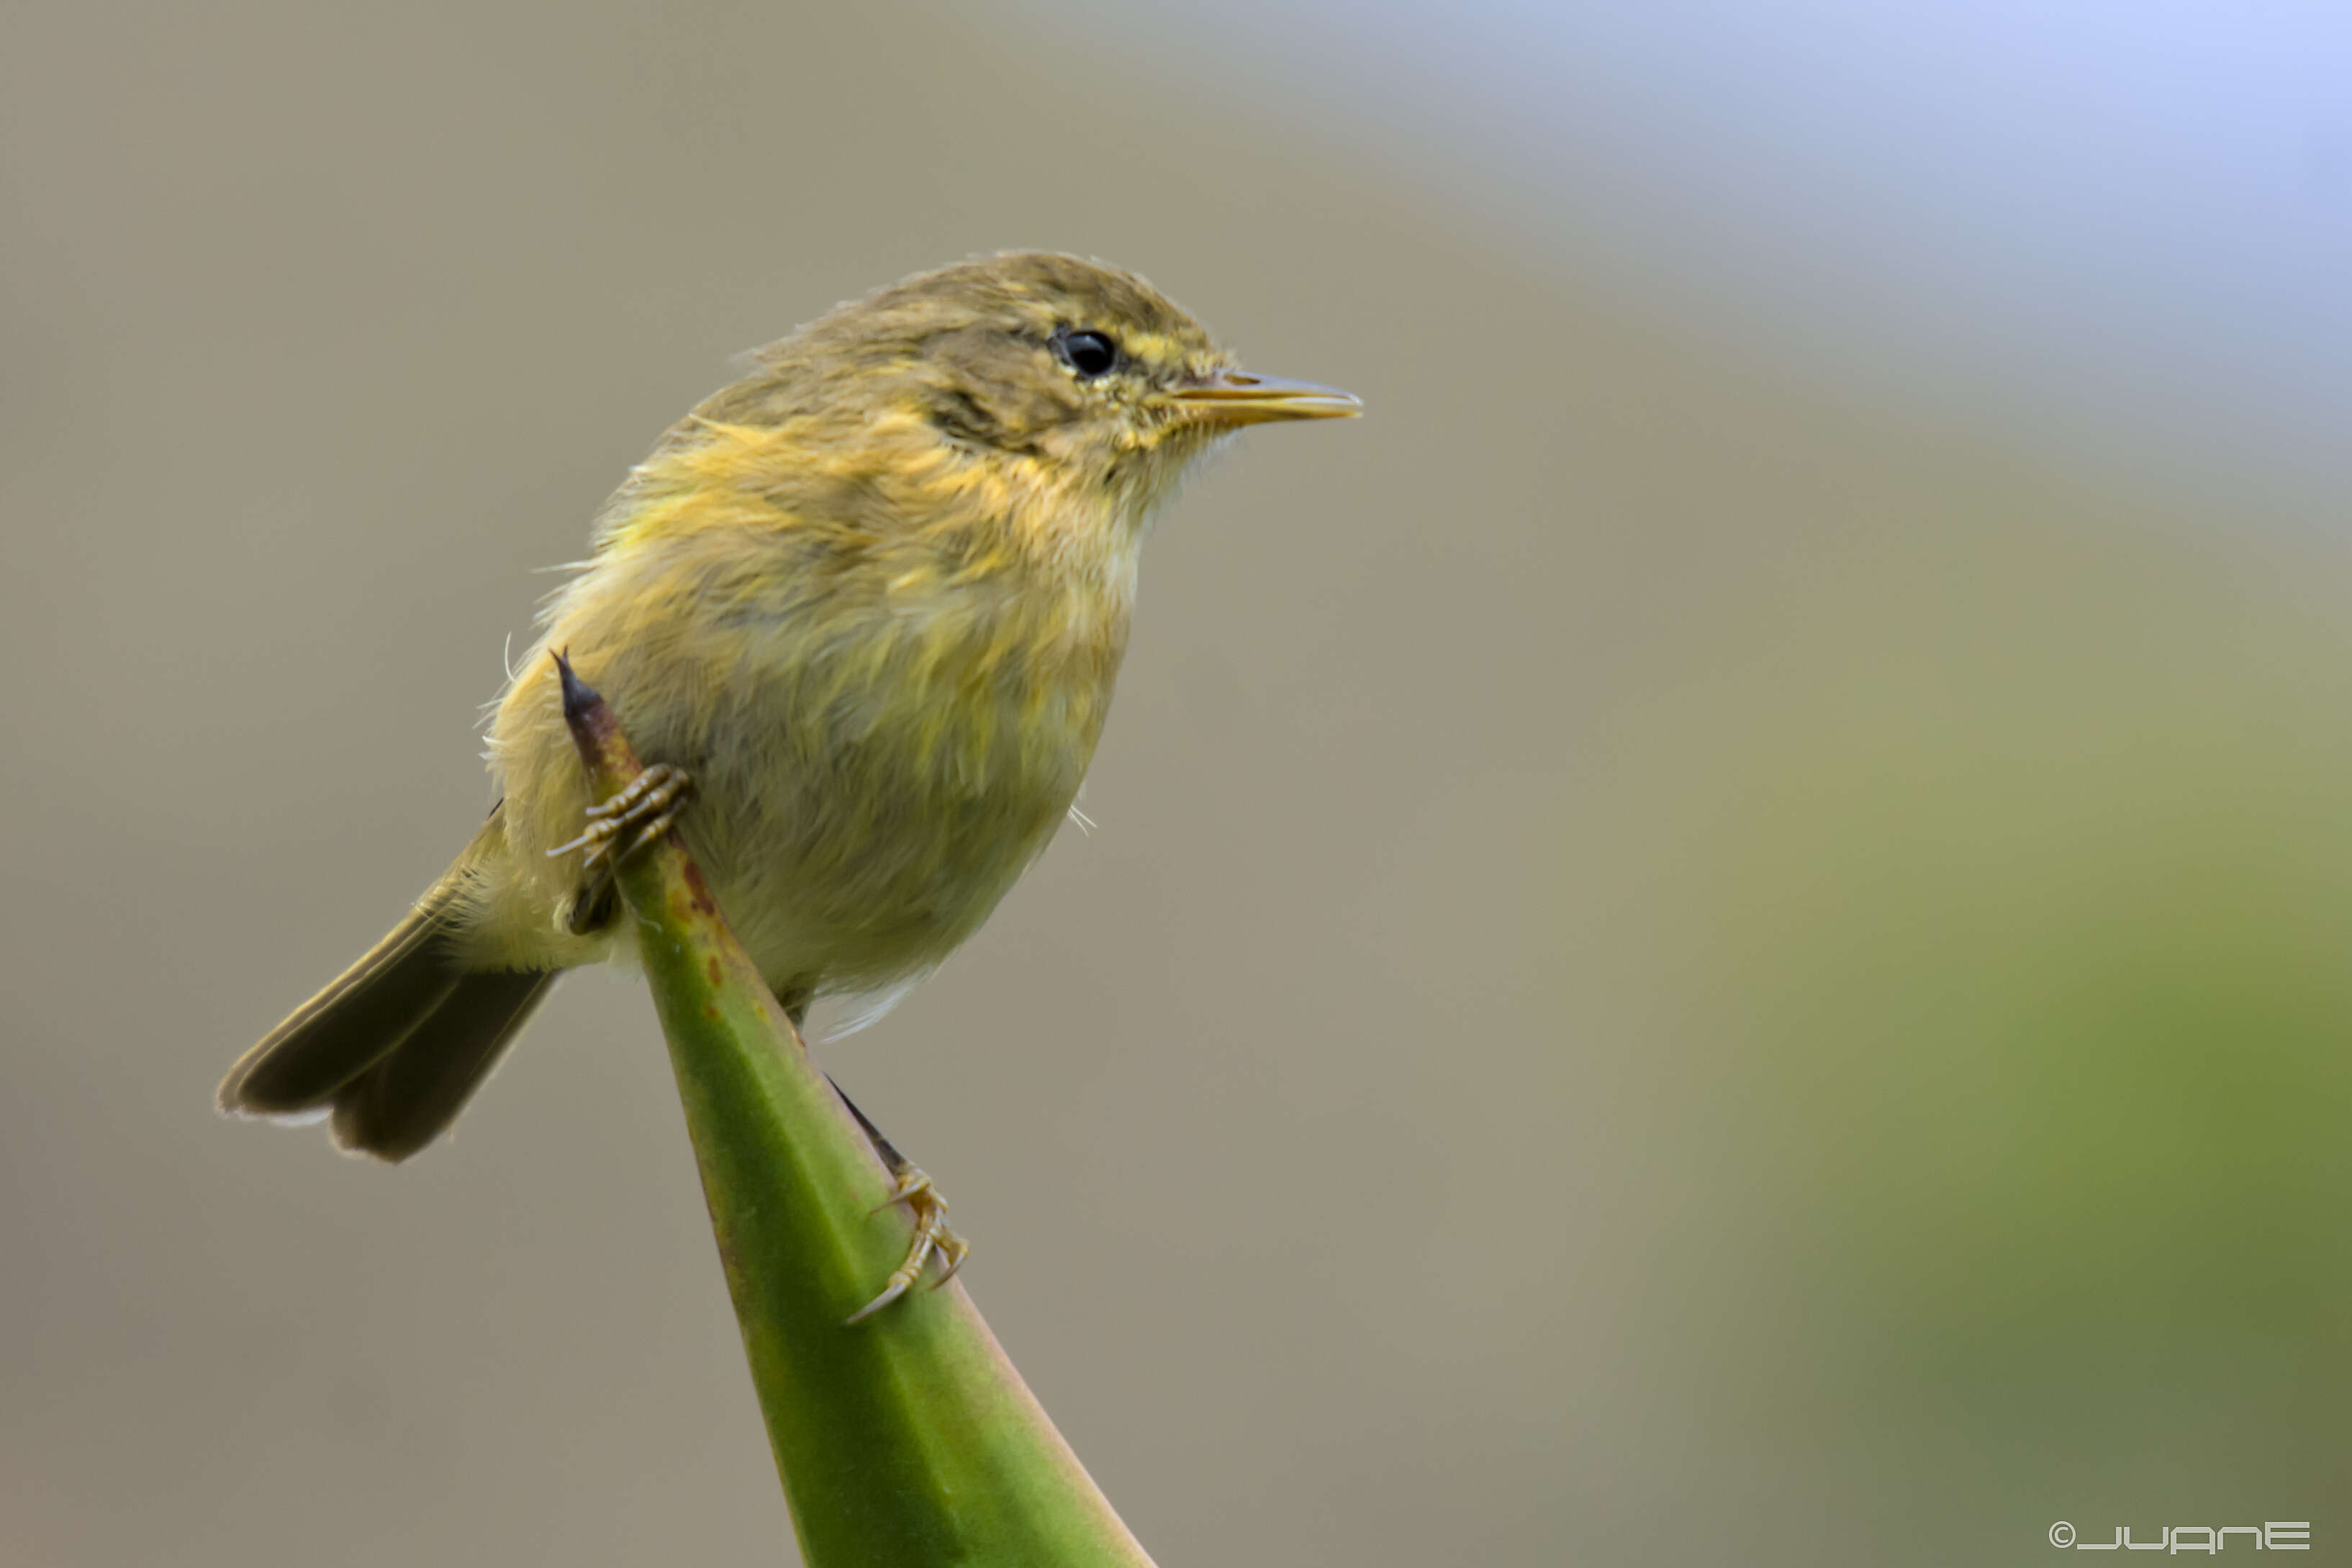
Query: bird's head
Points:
[1032, 370]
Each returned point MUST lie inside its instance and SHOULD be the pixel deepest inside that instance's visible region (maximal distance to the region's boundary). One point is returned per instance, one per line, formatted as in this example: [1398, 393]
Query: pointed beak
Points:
[1238, 397]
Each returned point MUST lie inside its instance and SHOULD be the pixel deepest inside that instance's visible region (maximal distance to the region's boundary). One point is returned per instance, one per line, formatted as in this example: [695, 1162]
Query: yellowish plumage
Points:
[872, 599]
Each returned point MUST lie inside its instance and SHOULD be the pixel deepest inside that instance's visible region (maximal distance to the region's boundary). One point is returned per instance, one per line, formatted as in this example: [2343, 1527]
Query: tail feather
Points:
[395, 1044]
[359, 1019]
[405, 1100]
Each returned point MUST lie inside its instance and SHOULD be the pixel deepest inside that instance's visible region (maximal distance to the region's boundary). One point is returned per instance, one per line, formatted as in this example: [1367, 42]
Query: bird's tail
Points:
[395, 1045]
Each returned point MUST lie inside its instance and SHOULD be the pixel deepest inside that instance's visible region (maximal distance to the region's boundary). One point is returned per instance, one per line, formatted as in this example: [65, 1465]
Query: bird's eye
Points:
[1090, 355]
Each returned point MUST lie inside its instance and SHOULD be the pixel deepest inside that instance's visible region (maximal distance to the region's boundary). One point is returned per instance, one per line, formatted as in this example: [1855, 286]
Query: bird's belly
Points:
[851, 865]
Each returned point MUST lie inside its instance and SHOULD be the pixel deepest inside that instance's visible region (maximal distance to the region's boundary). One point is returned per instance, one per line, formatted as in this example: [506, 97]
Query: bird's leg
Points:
[922, 1198]
[592, 907]
[643, 812]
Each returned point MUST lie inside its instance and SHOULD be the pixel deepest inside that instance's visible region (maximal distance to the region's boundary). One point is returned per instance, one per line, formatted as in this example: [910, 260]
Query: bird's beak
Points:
[1238, 397]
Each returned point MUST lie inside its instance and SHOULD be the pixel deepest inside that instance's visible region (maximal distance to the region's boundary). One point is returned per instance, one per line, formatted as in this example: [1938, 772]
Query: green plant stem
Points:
[907, 1439]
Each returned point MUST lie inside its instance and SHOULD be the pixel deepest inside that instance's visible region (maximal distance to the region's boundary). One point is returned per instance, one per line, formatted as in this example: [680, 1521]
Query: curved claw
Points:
[901, 1281]
[644, 810]
[595, 837]
[912, 1187]
[955, 1249]
[932, 1239]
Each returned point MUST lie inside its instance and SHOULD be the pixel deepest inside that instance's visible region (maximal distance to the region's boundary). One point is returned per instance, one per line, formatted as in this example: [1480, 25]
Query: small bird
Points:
[861, 613]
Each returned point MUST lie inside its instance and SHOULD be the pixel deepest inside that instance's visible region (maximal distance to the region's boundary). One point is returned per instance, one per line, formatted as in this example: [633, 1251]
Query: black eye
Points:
[1088, 353]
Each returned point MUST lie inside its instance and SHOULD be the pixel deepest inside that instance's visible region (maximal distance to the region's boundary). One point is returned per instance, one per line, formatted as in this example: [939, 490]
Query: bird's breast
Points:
[870, 797]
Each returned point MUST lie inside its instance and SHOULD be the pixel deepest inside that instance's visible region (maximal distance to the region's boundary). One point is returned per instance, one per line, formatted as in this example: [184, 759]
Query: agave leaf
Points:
[906, 1439]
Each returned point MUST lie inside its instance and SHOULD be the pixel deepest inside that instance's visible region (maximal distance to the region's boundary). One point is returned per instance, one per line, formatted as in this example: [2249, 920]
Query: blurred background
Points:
[1723, 934]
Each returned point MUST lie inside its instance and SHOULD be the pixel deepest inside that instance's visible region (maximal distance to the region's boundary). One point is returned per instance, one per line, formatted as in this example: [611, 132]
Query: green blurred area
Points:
[1988, 900]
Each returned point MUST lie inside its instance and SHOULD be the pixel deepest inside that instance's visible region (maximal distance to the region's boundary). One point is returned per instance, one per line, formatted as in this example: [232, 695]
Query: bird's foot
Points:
[932, 1237]
[642, 811]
